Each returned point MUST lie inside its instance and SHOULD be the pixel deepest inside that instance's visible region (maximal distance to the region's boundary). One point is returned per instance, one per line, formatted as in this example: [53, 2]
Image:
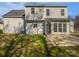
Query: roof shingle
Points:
[44, 5]
[14, 13]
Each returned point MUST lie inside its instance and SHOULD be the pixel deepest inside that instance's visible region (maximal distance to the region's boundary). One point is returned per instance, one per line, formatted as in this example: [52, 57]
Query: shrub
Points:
[1, 31]
[32, 45]
[22, 45]
[66, 51]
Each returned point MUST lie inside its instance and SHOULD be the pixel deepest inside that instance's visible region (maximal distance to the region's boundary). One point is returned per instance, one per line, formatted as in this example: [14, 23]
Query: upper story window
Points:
[47, 12]
[40, 9]
[62, 12]
[32, 10]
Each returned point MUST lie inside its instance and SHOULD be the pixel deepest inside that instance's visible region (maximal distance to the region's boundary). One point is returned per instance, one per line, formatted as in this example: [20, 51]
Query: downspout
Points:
[25, 22]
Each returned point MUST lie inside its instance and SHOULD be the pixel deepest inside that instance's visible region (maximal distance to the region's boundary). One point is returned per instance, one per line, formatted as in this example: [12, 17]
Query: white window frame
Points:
[58, 26]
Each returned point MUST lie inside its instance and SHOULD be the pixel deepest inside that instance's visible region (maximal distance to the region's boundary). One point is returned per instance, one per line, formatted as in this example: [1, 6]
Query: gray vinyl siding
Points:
[12, 25]
[38, 30]
[54, 12]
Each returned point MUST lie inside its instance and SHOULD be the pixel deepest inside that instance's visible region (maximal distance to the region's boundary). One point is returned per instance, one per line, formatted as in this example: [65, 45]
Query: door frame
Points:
[52, 28]
[48, 28]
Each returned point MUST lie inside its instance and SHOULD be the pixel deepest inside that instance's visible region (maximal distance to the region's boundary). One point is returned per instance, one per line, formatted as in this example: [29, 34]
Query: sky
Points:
[73, 7]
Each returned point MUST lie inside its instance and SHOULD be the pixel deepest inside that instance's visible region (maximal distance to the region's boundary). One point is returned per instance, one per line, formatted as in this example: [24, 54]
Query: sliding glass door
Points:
[64, 27]
[55, 27]
[60, 26]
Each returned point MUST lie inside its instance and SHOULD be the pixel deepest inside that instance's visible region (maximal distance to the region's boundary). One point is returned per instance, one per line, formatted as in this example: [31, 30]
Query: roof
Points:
[58, 19]
[14, 13]
[35, 21]
[50, 20]
[44, 5]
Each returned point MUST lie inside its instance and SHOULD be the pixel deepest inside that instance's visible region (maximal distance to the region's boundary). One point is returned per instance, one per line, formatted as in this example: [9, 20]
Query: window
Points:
[34, 25]
[62, 12]
[64, 27]
[60, 27]
[40, 10]
[55, 27]
[32, 10]
[47, 12]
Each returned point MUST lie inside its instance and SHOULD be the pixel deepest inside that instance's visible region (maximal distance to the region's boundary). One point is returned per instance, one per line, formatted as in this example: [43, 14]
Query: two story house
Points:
[39, 19]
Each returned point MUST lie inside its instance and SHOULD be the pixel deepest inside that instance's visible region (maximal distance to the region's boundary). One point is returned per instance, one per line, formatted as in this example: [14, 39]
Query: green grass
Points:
[65, 51]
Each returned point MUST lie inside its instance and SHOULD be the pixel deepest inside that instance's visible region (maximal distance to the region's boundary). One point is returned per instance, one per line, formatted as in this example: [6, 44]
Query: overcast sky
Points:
[73, 7]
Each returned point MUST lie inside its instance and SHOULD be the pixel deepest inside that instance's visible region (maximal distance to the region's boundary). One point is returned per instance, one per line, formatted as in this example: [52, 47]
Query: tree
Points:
[37, 16]
[25, 17]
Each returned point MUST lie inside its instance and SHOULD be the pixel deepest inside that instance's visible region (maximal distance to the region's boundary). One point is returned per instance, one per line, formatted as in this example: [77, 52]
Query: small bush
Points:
[1, 31]
[65, 51]
[21, 45]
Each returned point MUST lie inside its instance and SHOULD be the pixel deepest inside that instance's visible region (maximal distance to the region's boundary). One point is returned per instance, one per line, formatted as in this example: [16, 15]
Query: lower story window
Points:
[64, 27]
[60, 27]
[34, 25]
[55, 27]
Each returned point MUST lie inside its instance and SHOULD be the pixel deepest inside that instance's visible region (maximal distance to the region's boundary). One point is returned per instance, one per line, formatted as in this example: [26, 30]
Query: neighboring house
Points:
[13, 21]
[1, 24]
[39, 19]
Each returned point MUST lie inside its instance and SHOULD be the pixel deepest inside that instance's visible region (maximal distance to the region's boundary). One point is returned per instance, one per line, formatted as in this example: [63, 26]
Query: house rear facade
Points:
[39, 19]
